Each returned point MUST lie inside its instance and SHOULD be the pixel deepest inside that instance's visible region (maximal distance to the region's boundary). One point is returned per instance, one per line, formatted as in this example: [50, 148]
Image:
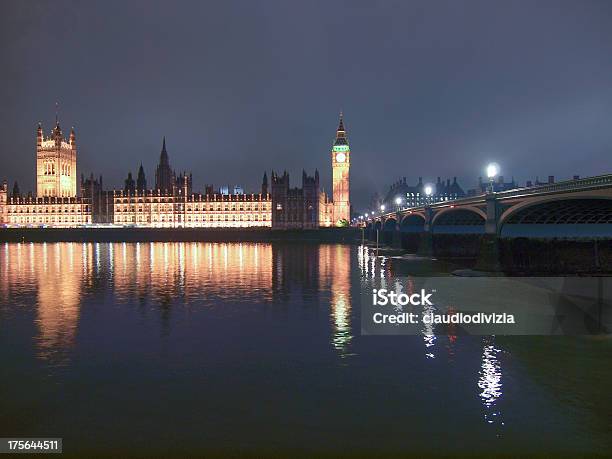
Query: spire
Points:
[341, 133]
[341, 123]
[130, 185]
[163, 159]
[141, 181]
[72, 138]
[39, 135]
[264, 183]
[16, 192]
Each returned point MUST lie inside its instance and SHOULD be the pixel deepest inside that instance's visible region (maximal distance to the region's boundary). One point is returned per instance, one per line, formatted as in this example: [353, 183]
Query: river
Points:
[173, 348]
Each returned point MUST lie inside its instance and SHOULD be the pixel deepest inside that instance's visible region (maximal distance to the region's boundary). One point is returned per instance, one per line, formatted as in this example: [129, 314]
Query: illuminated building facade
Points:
[56, 164]
[172, 203]
[180, 208]
[309, 207]
[415, 196]
[45, 211]
[56, 202]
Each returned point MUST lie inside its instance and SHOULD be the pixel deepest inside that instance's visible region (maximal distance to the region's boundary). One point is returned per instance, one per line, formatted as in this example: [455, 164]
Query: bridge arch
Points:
[412, 223]
[389, 227]
[389, 224]
[459, 220]
[578, 216]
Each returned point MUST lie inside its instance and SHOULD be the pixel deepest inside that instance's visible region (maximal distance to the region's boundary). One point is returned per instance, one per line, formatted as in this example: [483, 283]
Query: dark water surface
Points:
[166, 348]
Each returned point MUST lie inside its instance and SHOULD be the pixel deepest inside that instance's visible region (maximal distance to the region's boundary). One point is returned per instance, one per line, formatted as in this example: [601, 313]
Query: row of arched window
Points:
[49, 168]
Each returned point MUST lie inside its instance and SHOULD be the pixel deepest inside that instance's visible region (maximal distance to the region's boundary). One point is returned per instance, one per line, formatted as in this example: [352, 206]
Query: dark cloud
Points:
[428, 88]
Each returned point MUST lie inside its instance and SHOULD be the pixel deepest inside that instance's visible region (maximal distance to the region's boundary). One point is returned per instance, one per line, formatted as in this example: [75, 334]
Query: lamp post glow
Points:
[492, 171]
[428, 190]
[398, 202]
[382, 207]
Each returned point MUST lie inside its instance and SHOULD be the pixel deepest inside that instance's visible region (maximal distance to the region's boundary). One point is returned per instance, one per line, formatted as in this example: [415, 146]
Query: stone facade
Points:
[172, 202]
[101, 200]
[295, 208]
[46, 211]
[153, 208]
[56, 202]
[56, 164]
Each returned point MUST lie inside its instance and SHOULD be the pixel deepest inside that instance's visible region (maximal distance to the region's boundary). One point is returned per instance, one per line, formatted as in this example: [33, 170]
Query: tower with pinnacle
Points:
[56, 163]
[164, 175]
[341, 163]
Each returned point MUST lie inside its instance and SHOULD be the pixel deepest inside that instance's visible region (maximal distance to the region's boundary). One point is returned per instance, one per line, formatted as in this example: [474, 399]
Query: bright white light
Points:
[382, 207]
[398, 200]
[366, 214]
[492, 170]
[428, 190]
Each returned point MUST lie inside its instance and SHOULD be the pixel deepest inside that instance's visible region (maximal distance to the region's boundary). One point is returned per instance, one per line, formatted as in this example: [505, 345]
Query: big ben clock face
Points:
[340, 157]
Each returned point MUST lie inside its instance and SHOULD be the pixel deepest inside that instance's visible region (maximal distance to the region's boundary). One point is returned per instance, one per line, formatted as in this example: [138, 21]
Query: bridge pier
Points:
[425, 248]
[488, 258]
[396, 242]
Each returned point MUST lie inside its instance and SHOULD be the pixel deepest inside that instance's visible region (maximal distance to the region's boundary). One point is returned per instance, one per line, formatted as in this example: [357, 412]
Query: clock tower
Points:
[341, 163]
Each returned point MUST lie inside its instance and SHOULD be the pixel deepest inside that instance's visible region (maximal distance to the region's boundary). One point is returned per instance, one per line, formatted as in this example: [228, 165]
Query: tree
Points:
[342, 223]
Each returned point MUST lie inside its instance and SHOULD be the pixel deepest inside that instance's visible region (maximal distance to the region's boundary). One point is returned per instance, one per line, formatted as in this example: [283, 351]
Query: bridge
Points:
[572, 209]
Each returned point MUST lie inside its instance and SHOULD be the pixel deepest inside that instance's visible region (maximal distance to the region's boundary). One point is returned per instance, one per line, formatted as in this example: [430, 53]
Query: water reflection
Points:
[490, 381]
[51, 277]
[54, 279]
[336, 266]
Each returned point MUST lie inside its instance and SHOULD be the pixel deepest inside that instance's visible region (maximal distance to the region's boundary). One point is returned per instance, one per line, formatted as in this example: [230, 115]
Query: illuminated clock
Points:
[340, 157]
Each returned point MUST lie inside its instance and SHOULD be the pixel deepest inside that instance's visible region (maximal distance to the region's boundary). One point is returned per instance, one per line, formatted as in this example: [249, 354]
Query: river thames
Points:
[226, 348]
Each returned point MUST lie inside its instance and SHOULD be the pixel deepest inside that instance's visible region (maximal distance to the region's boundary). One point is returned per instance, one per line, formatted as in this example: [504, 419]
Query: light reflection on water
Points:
[490, 381]
[203, 273]
[288, 301]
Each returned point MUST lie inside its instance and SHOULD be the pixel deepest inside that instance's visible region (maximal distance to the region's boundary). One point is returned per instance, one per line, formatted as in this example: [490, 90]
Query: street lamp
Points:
[492, 171]
[428, 190]
[382, 207]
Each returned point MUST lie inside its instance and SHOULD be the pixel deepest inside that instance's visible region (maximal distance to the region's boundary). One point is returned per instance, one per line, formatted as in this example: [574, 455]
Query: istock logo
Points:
[383, 297]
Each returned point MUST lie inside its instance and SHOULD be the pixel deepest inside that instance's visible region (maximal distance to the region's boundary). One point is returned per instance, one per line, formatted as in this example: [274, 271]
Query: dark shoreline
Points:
[326, 235]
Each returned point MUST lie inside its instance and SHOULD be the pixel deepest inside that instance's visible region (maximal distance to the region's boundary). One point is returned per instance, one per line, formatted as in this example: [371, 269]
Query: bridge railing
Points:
[566, 185]
[600, 181]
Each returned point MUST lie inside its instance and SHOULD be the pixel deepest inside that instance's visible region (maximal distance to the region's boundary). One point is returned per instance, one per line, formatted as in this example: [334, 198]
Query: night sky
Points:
[430, 88]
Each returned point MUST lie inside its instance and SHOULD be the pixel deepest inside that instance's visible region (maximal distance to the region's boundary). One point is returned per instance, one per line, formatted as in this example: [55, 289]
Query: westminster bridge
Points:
[563, 224]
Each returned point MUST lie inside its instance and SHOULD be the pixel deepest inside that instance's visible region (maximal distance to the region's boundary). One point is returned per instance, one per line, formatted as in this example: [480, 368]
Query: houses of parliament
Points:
[172, 202]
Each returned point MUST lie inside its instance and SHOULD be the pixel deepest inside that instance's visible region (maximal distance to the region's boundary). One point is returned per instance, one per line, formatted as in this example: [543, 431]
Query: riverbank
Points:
[114, 234]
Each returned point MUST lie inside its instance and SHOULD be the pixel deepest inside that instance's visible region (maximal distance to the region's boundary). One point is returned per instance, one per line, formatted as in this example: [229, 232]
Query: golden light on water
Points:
[59, 275]
[335, 276]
